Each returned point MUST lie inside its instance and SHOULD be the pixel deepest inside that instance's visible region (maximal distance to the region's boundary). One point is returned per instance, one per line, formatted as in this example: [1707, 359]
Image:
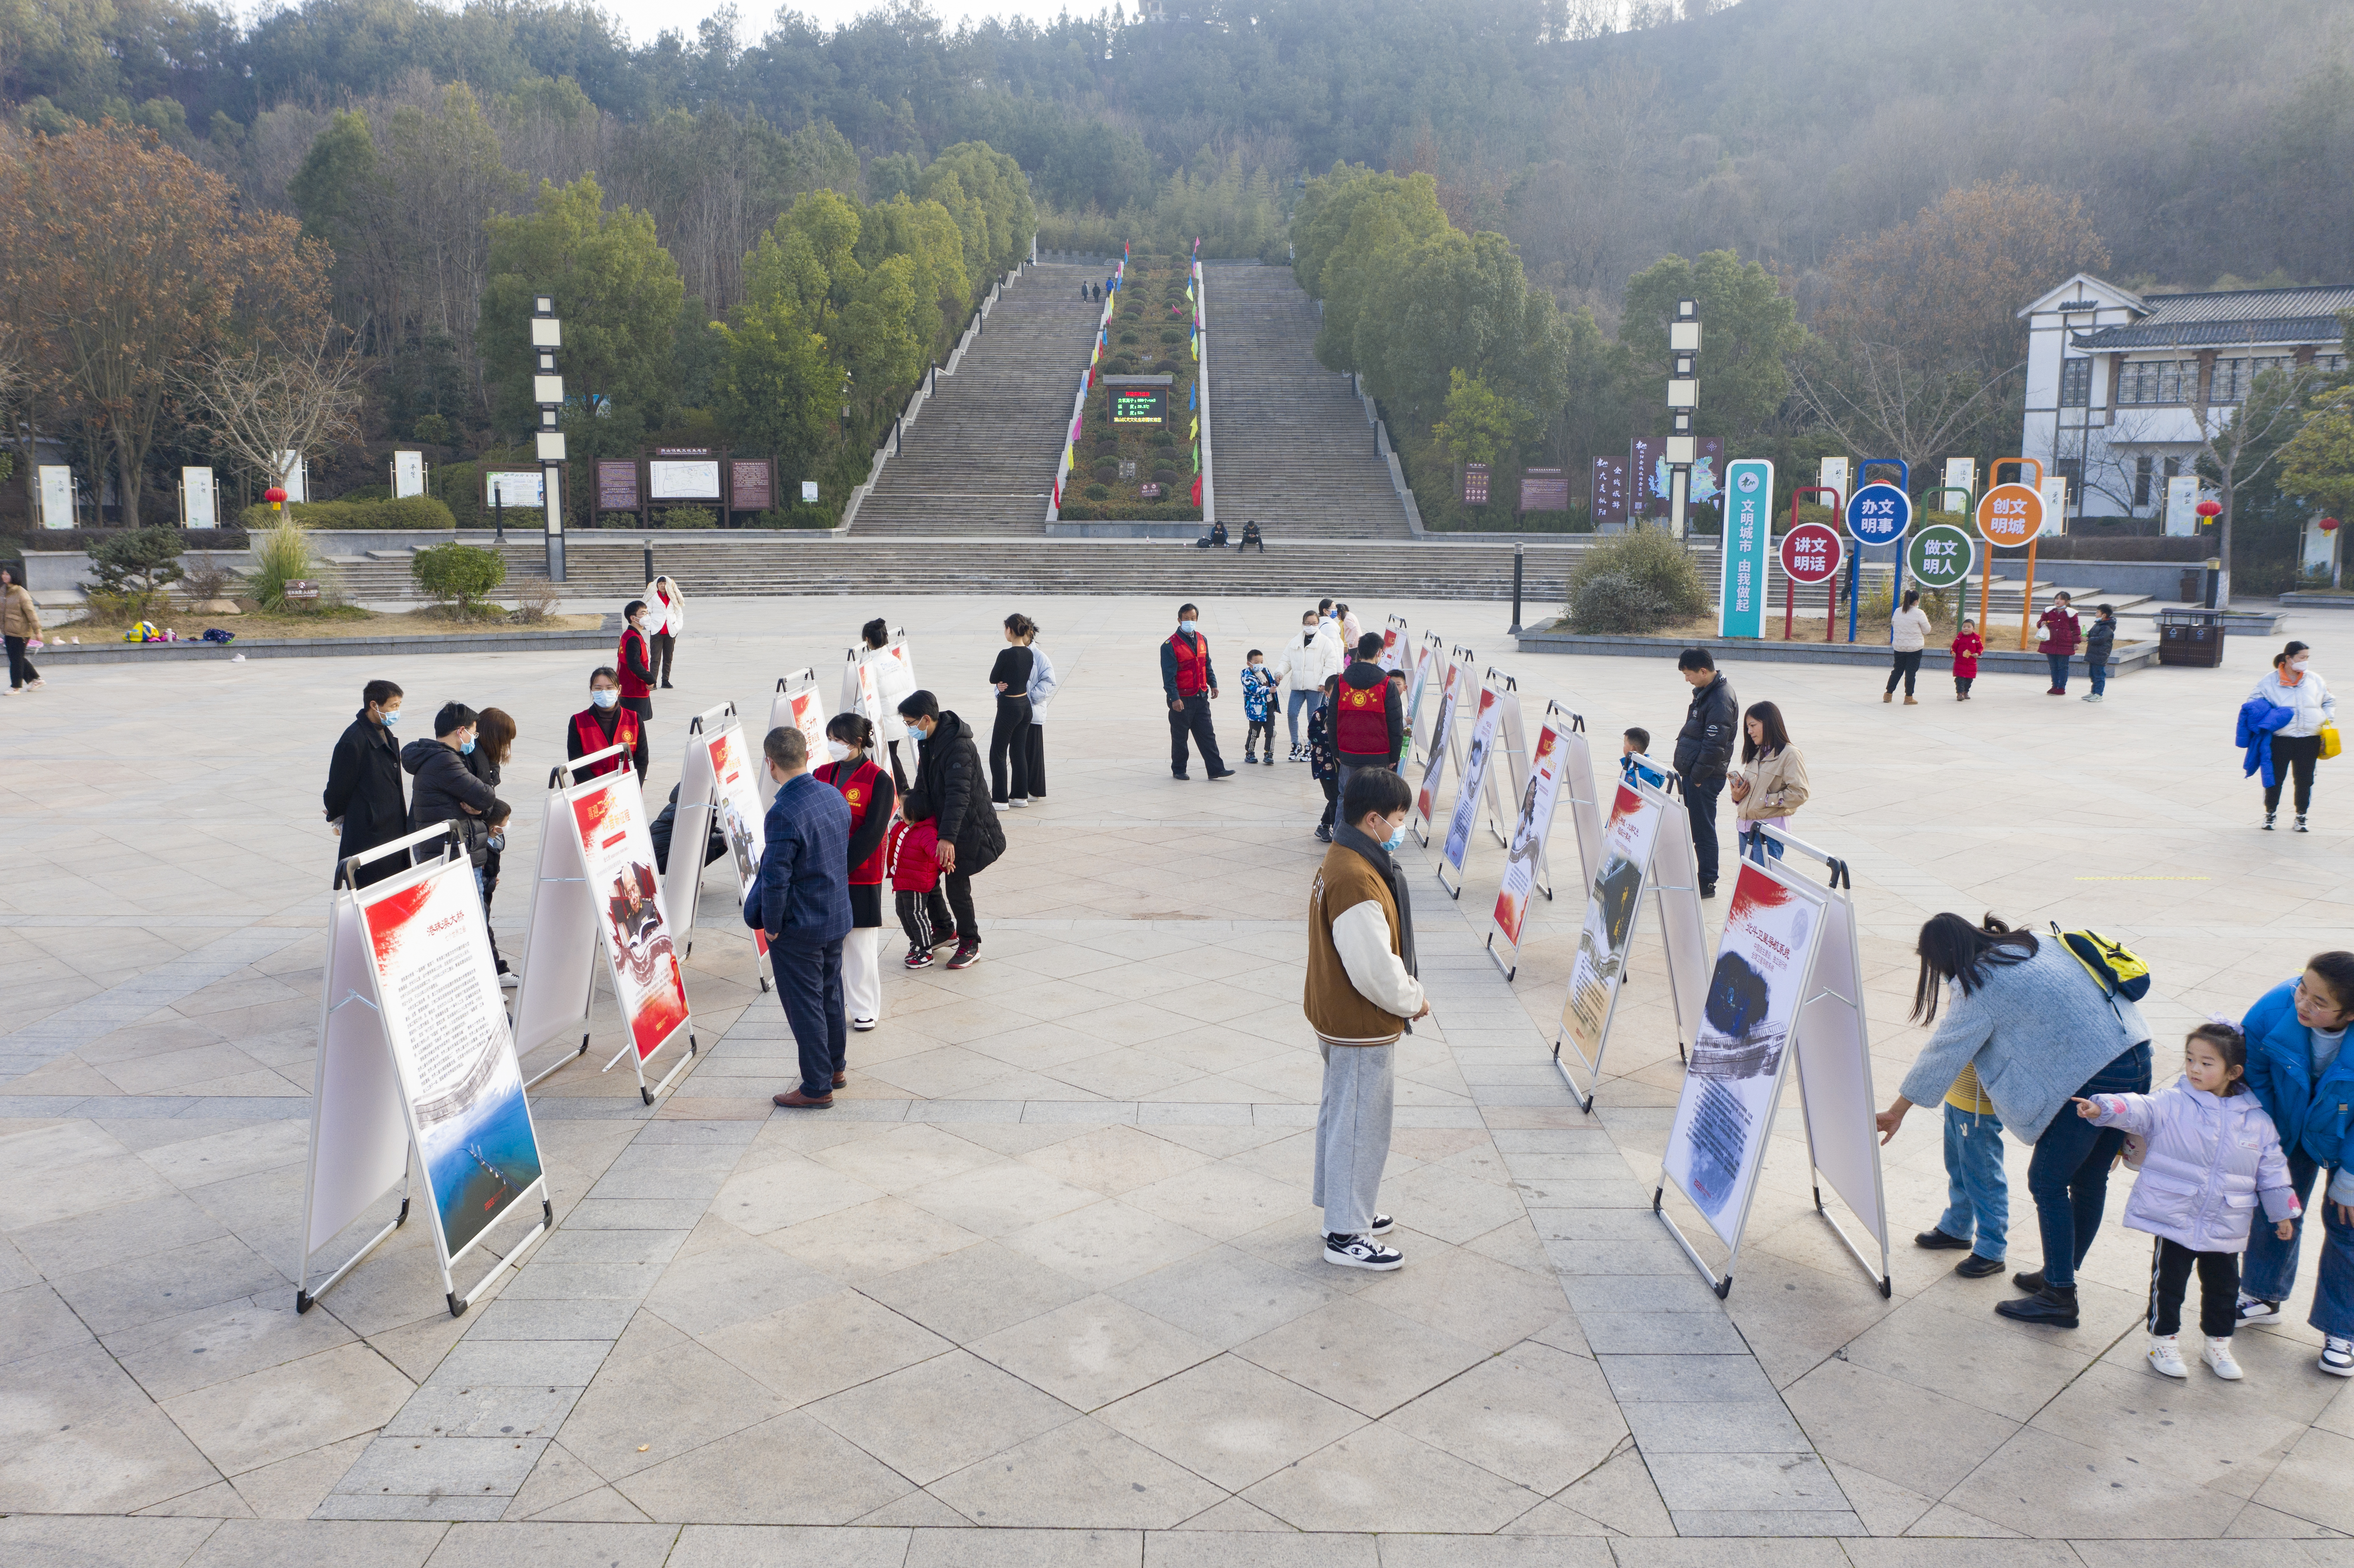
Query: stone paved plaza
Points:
[1043, 1287]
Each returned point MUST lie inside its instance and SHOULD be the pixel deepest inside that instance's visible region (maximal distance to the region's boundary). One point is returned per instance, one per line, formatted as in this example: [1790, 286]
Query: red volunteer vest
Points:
[630, 685]
[592, 738]
[857, 786]
[1362, 725]
[1193, 663]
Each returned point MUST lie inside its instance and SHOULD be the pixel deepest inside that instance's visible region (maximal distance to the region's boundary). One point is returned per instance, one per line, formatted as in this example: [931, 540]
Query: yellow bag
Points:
[2329, 742]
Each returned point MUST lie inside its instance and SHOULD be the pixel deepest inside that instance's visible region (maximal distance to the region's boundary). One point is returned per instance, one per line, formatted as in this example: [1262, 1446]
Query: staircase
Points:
[980, 454]
[1293, 449]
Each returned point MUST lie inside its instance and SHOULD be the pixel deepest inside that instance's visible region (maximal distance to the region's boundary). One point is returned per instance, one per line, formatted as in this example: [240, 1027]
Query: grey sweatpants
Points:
[1353, 1134]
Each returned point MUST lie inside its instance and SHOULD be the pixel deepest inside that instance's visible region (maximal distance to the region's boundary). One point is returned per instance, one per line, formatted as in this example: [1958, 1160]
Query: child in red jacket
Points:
[910, 850]
[1968, 646]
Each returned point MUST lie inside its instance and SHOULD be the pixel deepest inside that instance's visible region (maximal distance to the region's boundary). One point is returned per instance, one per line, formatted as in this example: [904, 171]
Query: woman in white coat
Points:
[2293, 683]
[895, 677]
[1043, 683]
[666, 622]
[1304, 663]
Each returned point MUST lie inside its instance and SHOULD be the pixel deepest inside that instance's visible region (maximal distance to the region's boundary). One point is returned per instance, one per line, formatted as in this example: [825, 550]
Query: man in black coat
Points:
[1704, 753]
[446, 788]
[951, 790]
[363, 797]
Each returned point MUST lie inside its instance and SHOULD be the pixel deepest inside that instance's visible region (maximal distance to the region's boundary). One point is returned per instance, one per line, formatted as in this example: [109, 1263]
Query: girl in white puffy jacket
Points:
[2209, 1156]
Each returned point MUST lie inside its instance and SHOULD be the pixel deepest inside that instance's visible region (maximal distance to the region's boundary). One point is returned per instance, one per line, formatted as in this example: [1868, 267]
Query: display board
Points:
[617, 484]
[1442, 741]
[1577, 788]
[797, 706]
[1784, 993]
[742, 820]
[1646, 852]
[416, 1058]
[683, 476]
[1748, 544]
[55, 482]
[1421, 660]
[1460, 822]
[1507, 780]
[751, 484]
[198, 508]
[1139, 405]
[1878, 514]
[1396, 644]
[1941, 556]
[693, 816]
[514, 489]
[408, 474]
[1530, 827]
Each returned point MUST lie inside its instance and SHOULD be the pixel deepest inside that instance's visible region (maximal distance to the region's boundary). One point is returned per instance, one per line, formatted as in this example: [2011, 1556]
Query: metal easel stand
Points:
[563, 776]
[458, 1303]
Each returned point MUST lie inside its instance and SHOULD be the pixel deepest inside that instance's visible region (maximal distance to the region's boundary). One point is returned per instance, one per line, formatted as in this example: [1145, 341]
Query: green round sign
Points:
[1940, 556]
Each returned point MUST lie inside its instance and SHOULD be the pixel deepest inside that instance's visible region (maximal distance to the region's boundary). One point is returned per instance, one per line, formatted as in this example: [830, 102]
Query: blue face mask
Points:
[605, 699]
[1187, 627]
[467, 749]
[1396, 840]
[392, 718]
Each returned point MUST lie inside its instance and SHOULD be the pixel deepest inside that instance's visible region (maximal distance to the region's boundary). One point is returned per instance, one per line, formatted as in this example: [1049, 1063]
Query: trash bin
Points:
[2194, 584]
[2192, 637]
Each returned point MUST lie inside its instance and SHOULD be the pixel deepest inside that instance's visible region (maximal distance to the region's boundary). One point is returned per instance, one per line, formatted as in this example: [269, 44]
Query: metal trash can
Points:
[2192, 637]
[2194, 584]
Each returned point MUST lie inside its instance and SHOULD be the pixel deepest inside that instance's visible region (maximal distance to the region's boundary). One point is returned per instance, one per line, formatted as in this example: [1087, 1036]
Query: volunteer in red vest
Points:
[1189, 682]
[849, 738]
[1368, 713]
[603, 723]
[636, 658]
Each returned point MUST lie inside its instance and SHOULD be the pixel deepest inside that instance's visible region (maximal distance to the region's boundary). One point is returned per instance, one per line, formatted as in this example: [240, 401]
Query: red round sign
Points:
[1811, 554]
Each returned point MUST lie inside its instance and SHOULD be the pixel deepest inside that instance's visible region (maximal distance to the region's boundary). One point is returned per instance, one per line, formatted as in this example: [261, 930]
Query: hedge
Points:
[79, 540]
[417, 511]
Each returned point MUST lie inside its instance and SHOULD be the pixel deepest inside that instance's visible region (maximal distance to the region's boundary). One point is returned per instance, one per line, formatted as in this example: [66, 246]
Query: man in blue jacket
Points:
[2304, 1080]
[802, 903]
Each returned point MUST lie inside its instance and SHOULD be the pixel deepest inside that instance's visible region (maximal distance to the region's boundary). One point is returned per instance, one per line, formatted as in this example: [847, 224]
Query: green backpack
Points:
[2117, 969]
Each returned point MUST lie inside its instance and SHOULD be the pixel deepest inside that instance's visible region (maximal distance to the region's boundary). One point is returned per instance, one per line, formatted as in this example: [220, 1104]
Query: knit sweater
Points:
[2036, 1031]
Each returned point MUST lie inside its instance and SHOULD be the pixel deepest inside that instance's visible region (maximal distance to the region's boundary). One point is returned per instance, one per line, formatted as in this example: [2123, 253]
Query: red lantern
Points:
[2329, 525]
[2209, 509]
[276, 496]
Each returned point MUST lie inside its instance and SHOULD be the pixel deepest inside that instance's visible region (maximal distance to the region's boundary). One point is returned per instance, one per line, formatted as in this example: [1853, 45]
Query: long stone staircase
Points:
[1291, 444]
[979, 456]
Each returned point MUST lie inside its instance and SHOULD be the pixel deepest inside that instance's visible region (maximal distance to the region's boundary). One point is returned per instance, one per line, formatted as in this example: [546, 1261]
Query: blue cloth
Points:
[2059, 663]
[1757, 847]
[2069, 1176]
[802, 897]
[2314, 1118]
[1257, 689]
[2254, 736]
[1978, 1197]
[809, 983]
[2333, 1296]
[1630, 770]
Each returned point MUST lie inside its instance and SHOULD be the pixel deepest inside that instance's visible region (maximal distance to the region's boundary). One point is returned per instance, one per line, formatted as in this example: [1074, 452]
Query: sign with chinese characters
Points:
[1879, 514]
[514, 489]
[1811, 553]
[617, 484]
[1644, 456]
[1941, 555]
[408, 474]
[1475, 484]
[1748, 535]
[1544, 490]
[751, 484]
[2011, 515]
[1610, 490]
[1139, 405]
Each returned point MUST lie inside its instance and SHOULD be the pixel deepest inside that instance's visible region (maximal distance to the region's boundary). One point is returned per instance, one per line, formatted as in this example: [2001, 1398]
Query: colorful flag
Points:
[1194, 434]
[1197, 490]
[1189, 399]
[1197, 457]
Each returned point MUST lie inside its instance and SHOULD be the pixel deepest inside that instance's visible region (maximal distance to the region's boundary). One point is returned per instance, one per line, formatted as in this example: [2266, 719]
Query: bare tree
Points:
[2238, 442]
[261, 404]
[1875, 399]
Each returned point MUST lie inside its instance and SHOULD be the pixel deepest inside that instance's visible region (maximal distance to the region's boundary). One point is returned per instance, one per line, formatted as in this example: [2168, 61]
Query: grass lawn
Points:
[337, 620]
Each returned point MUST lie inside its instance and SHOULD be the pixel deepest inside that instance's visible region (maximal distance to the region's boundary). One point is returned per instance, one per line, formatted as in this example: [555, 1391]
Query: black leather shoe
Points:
[2029, 1282]
[1977, 1267]
[2050, 1307]
[1938, 1241]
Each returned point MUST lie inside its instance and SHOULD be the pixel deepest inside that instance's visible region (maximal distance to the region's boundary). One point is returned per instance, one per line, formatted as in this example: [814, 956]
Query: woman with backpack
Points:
[2031, 1017]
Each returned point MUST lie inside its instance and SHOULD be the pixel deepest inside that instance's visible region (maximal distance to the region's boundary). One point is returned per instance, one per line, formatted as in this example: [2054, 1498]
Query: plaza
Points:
[1042, 1286]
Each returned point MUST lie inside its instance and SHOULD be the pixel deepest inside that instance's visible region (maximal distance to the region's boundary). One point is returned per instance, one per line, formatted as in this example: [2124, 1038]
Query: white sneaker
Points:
[861, 1024]
[2216, 1355]
[2166, 1356]
[2337, 1356]
[1360, 1252]
[2251, 1310]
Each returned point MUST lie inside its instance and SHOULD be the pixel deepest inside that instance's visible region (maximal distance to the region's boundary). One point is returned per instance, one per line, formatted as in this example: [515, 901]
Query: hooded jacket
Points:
[2210, 1162]
[2254, 736]
[445, 786]
[951, 790]
[2316, 1118]
[1704, 746]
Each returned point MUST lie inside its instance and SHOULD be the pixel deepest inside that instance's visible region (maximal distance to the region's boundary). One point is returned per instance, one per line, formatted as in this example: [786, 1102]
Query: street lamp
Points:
[1683, 400]
[547, 392]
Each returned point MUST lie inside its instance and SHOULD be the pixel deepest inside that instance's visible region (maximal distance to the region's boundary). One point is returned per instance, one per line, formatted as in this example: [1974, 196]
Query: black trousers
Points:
[1700, 801]
[1009, 749]
[2293, 754]
[1906, 667]
[809, 982]
[2219, 1289]
[958, 888]
[660, 646]
[20, 669]
[1192, 718]
[925, 917]
[644, 708]
[1033, 753]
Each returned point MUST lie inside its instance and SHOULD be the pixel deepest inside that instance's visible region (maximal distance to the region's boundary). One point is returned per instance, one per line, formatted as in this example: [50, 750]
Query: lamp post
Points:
[1683, 400]
[547, 392]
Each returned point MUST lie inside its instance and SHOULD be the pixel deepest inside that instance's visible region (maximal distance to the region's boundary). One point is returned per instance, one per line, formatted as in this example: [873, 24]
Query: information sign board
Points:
[1139, 405]
[751, 484]
[1941, 556]
[1748, 534]
[1811, 554]
[617, 484]
[2011, 515]
[1878, 514]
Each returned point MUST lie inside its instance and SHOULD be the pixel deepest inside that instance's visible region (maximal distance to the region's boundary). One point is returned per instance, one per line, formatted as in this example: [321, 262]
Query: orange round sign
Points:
[2011, 515]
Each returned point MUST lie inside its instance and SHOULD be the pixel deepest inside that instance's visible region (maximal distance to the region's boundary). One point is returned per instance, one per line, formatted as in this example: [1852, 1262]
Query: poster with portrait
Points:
[742, 823]
[445, 1020]
[797, 707]
[1725, 1111]
[1530, 827]
[1421, 661]
[1460, 822]
[1434, 765]
[1609, 932]
[642, 958]
[1394, 645]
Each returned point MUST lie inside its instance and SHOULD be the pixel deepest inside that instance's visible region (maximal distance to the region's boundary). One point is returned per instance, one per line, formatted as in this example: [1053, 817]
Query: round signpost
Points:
[1878, 514]
[1811, 553]
[2010, 516]
[1941, 556]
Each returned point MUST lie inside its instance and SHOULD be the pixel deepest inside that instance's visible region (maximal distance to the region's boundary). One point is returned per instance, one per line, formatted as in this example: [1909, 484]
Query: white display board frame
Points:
[361, 1118]
[1476, 783]
[1459, 676]
[683, 479]
[796, 706]
[199, 499]
[698, 791]
[1584, 801]
[1504, 790]
[1830, 1048]
[1419, 667]
[1670, 879]
[1549, 762]
[1397, 643]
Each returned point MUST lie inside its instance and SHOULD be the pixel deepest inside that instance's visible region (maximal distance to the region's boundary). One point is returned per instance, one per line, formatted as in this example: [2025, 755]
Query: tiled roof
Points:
[2239, 316]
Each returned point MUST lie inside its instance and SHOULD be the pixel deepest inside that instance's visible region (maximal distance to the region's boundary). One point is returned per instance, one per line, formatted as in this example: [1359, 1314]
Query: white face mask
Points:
[605, 698]
[838, 751]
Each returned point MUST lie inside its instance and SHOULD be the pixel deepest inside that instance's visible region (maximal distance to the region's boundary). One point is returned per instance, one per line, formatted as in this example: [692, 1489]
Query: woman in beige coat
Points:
[1772, 782]
[20, 619]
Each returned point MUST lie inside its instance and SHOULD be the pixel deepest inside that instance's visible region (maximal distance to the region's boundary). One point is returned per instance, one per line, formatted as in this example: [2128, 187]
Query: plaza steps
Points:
[980, 453]
[1291, 444]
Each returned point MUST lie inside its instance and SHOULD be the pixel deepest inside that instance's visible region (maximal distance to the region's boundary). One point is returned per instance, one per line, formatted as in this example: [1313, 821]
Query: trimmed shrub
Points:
[1098, 492]
[459, 576]
[1128, 336]
[134, 570]
[417, 511]
[1107, 471]
[1165, 476]
[1172, 334]
[690, 517]
[1634, 583]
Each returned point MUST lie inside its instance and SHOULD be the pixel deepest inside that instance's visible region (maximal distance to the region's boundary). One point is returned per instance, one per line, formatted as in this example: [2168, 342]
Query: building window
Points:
[2329, 364]
[2149, 381]
[2073, 471]
[2075, 383]
[2142, 467]
[2229, 384]
[2173, 467]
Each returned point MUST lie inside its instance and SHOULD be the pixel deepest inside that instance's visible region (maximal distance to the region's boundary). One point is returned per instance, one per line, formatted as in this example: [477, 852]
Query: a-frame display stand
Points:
[1460, 681]
[797, 706]
[1646, 856]
[698, 800]
[1559, 769]
[1786, 990]
[1421, 665]
[416, 1072]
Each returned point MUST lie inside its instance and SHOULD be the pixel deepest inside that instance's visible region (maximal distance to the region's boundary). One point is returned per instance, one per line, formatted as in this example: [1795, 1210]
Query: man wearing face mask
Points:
[446, 788]
[952, 792]
[363, 797]
[605, 723]
[1360, 994]
[1190, 684]
[802, 901]
[636, 658]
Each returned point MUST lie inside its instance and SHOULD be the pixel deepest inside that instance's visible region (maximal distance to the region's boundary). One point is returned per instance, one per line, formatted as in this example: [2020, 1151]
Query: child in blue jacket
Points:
[2304, 1081]
[1258, 691]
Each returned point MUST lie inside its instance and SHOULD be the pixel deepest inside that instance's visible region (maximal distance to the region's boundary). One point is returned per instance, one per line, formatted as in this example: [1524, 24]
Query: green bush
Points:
[416, 512]
[690, 517]
[366, 493]
[1107, 471]
[134, 570]
[459, 576]
[1172, 334]
[1636, 582]
[281, 556]
[1128, 336]
[1098, 492]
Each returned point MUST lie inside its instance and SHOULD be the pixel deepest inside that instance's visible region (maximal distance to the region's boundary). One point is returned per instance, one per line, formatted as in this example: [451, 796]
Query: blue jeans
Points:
[1300, 702]
[2270, 1270]
[2069, 1176]
[2333, 1297]
[2099, 670]
[1978, 1198]
[1757, 846]
[2059, 663]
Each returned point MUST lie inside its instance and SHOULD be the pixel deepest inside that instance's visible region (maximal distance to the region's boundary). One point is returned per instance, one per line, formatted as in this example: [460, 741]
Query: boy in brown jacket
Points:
[1360, 995]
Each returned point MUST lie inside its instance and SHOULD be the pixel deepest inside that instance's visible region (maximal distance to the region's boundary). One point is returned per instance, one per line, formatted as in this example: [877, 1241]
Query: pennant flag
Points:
[1069, 451]
[1197, 457]
[1189, 399]
[1058, 493]
[1197, 490]
[1194, 434]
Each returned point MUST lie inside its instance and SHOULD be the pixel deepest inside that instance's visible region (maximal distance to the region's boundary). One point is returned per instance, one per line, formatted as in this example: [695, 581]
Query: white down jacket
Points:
[2209, 1163]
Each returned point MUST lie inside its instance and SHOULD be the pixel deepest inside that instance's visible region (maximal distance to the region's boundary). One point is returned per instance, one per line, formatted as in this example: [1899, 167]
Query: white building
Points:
[2118, 385]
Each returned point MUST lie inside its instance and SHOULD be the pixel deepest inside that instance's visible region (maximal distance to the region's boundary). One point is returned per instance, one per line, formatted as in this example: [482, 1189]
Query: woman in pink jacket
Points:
[2209, 1155]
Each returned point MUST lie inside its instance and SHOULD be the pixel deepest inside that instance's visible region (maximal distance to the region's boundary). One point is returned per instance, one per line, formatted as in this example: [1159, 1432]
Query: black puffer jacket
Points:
[1704, 747]
[951, 787]
[444, 787]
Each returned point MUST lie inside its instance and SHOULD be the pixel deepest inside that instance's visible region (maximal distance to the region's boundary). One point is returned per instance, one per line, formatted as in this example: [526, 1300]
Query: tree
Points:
[2317, 462]
[133, 569]
[776, 384]
[1749, 331]
[459, 576]
[887, 333]
[1478, 424]
[263, 403]
[1875, 400]
[122, 265]
[2236, 445]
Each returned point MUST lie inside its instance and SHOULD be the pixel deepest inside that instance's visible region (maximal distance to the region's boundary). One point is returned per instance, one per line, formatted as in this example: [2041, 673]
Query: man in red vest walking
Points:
[1368, 714]
[1189, 682]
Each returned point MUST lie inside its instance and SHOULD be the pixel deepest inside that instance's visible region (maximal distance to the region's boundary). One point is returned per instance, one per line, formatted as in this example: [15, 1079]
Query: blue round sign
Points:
[1879, 514]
